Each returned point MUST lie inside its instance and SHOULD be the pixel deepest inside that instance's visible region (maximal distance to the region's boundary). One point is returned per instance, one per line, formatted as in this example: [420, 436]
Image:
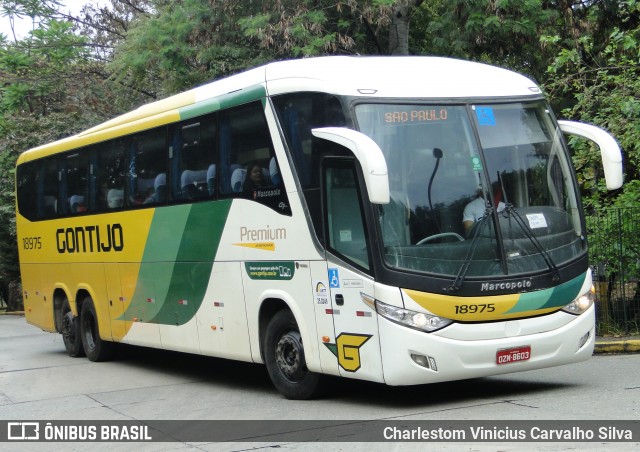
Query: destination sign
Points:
[417, 116]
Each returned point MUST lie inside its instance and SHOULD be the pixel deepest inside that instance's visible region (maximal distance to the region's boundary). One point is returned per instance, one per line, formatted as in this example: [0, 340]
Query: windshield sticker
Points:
[485, 116]
[536, 220]
[476, 163]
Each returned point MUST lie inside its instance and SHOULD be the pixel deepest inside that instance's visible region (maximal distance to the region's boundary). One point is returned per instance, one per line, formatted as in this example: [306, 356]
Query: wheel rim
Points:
[68, 330]
[290, 356]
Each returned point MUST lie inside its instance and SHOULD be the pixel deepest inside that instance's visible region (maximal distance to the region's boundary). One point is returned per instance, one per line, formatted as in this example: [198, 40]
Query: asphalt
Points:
[604, 345]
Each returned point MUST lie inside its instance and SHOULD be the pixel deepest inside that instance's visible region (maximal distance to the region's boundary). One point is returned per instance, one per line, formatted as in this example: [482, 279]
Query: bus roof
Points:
[364, 76]
[394, 76]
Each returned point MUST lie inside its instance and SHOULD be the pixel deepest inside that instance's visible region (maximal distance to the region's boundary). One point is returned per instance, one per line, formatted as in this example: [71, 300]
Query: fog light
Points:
[427, 362]
[420, 360]
[583, 340]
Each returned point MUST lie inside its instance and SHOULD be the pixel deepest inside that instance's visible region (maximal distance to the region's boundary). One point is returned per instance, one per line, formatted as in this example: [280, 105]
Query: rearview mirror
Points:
[368, 153]
[609, 149]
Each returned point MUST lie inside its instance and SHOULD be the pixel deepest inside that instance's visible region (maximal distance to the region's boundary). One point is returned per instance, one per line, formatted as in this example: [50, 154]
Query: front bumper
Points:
[456, 359]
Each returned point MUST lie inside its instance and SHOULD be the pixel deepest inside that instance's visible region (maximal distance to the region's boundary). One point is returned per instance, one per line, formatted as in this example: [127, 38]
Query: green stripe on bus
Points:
[549, 298]
[177, 262]
[192, 271]
[221, 102]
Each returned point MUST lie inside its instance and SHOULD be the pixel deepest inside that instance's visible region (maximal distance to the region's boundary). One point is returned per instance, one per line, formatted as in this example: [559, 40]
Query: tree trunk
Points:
[399, 29]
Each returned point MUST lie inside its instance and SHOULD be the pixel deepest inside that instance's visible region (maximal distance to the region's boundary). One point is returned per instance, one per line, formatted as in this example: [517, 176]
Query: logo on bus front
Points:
[506, 285]
[347, 350]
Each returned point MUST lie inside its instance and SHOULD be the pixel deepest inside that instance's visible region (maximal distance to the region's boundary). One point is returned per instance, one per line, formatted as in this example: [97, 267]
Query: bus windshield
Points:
[487, 188]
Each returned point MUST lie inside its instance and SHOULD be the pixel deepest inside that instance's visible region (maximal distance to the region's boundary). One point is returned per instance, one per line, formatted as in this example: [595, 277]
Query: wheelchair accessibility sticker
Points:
[485, 116]
[334, 281]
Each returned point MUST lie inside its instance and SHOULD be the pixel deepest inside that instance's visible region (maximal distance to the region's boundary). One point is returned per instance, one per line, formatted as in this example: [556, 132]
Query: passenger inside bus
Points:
[254, 179]
[159, 190]
[76, 202]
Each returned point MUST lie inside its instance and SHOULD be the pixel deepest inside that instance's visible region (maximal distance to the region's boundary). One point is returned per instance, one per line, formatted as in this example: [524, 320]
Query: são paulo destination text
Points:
[506, 433]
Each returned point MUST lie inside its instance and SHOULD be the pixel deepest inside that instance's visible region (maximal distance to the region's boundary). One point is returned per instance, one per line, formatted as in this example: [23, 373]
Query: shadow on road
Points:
[242, 376]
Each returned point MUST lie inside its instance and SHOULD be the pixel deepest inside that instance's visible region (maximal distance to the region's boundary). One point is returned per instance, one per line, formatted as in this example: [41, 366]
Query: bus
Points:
[311, 215]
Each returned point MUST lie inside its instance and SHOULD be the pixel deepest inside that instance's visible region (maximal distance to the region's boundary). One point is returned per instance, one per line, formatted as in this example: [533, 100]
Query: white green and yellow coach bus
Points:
[312, 215]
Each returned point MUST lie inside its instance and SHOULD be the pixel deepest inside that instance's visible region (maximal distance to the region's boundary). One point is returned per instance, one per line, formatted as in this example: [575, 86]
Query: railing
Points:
[614, 255]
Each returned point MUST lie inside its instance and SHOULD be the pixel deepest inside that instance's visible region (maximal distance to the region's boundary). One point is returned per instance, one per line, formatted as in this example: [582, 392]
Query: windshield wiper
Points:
[459, 280]
[510, 209]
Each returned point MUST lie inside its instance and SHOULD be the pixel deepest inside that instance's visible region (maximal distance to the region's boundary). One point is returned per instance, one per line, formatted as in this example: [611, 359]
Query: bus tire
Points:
[95, 348]
[284, 357]
[71, 331]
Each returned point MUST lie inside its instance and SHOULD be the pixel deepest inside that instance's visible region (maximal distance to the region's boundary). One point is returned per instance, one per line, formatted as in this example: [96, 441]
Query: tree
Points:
[599, 80]
[307, 28]
[184, 43]
[49, 88]
[504, 33]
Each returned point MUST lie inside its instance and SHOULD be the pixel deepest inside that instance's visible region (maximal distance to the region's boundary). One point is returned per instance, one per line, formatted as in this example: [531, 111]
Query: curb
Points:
[610, 347]
[12, 313]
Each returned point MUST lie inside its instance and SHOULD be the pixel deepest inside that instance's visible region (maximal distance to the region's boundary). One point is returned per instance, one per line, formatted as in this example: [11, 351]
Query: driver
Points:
[475, 209]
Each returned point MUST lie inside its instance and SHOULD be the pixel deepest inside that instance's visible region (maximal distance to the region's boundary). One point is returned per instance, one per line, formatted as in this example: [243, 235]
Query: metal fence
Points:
[614, 254]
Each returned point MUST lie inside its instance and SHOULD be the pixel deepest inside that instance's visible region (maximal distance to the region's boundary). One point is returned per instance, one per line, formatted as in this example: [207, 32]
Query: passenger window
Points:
[49, 186]
[299, 113]
[76, 178]
[110, 175]
[248, 167]
[147, 172]
[27, 183]
[194, 156]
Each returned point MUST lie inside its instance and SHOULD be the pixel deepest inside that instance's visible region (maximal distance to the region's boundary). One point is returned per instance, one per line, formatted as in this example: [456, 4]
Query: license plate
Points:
[513, 355]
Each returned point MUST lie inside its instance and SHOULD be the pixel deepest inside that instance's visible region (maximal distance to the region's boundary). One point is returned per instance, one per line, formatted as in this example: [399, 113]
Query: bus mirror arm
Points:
[368, 153]
[609, 149]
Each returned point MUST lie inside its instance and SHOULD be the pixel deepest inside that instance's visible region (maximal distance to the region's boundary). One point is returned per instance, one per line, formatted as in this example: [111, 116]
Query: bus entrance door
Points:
[357, 347]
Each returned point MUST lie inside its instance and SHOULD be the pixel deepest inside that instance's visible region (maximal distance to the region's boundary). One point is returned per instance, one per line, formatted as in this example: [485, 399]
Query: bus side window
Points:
[148, 165]
[27, 193]
[76, 178]
[110, 175]
[248, 167]
[194, 151]
[48, 189]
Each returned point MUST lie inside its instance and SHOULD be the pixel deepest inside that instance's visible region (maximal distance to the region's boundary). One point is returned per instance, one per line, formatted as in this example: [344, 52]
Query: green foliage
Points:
[32, 70]
[182, 44]
[503, 32]
[600, 81]
[297, 29]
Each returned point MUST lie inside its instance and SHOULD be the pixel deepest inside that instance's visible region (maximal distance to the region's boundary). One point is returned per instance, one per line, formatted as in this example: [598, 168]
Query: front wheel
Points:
[284, 357]
[95, 348]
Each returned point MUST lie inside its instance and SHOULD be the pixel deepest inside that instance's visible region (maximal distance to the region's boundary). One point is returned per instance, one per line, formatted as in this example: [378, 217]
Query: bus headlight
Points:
[582, 303]
[406, 317]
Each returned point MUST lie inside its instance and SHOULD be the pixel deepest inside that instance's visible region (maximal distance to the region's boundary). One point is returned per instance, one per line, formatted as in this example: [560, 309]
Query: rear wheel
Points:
[95, 348]
[71, 330]
[284, 357]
